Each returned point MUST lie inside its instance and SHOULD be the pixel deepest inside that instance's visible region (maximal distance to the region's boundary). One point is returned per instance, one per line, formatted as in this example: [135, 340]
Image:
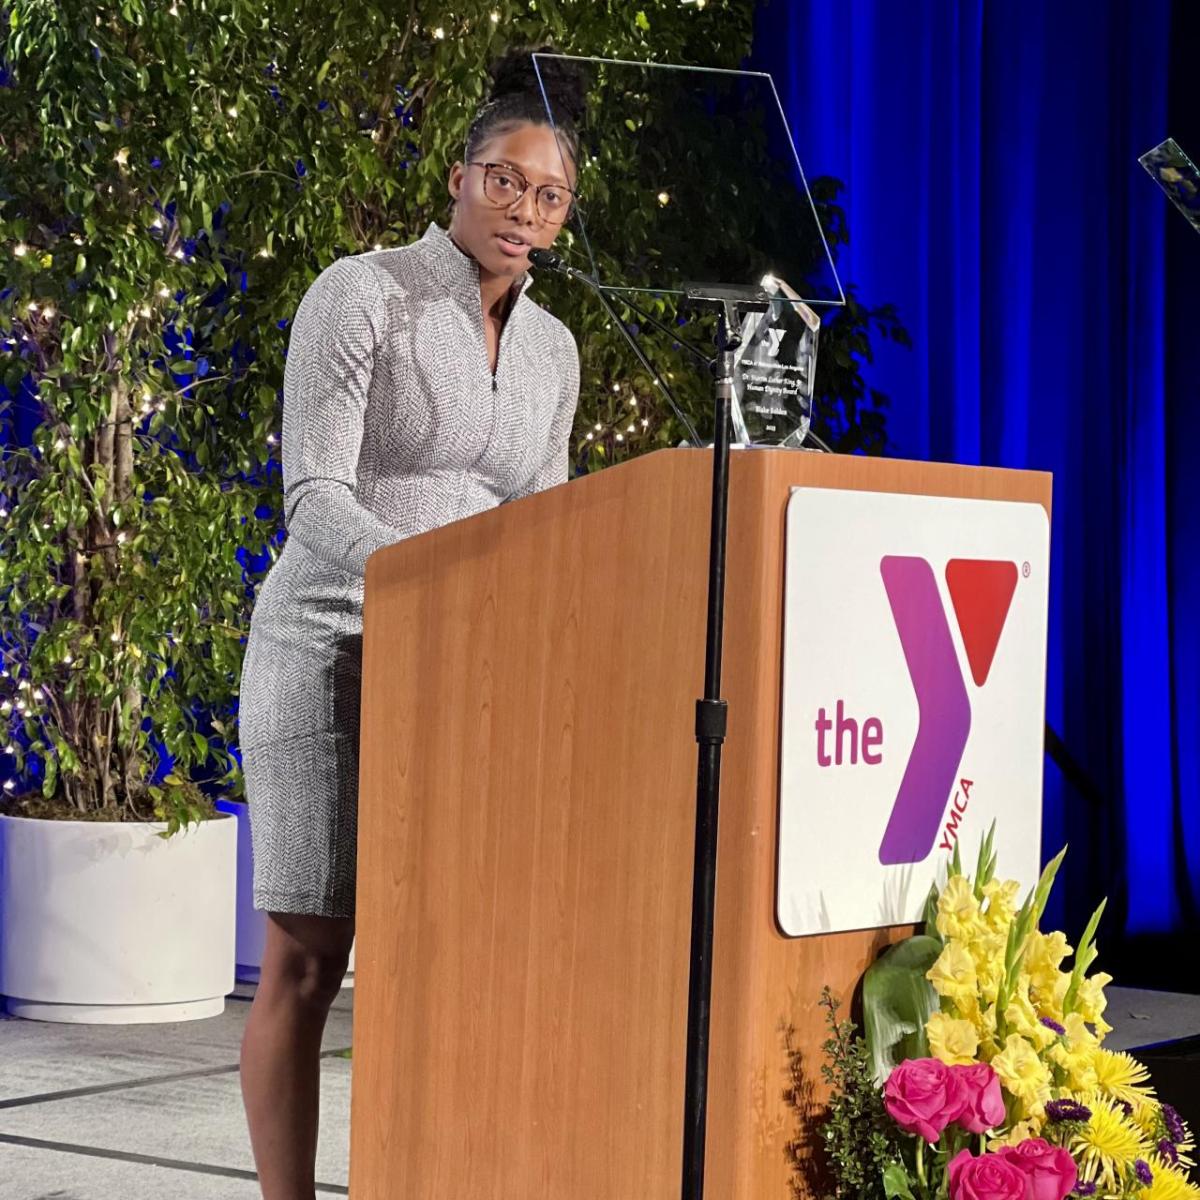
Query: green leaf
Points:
[642, 22]
[897, 1002]
[896, 1182]
[324, 70]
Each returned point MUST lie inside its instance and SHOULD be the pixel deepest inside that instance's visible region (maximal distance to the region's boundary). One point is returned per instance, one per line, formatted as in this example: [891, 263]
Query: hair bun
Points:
[514, 74]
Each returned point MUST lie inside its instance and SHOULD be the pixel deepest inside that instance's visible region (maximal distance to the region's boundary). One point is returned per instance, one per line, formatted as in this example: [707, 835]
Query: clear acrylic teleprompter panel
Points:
[1178, 176]
[689, 174]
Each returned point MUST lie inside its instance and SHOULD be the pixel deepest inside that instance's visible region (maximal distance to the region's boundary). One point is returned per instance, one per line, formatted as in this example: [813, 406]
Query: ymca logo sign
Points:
[913, 698]
[981, 592]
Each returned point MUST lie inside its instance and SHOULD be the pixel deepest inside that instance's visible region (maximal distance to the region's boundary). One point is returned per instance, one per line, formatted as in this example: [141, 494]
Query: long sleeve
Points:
[555, 466]
[337, 332]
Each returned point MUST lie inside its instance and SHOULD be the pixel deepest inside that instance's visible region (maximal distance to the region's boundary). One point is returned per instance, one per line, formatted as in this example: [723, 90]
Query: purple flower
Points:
[322, 105]
[156, 162]
[1174, 1124]
[301, 169]
[1141, 1169]
[1166, 1148]
[1050, 1023]
[1085, 1189]
[1067, 1110]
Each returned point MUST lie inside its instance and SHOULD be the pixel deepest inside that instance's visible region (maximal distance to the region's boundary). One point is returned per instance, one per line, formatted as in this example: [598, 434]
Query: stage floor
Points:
[142, 1112]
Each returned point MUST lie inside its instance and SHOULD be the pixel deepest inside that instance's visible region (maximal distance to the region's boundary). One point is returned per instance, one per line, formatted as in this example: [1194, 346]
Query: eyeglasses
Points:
[504, 186]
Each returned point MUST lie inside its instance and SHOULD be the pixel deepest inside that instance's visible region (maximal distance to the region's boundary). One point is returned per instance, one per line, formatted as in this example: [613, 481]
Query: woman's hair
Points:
[516, 97]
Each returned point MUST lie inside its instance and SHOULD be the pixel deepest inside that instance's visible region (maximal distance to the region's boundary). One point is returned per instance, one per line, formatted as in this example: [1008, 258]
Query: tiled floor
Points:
[153, 1112]
[147, 1112]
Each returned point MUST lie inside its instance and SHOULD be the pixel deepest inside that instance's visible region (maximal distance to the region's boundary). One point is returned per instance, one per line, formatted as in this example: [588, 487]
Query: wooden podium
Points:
[526, 820]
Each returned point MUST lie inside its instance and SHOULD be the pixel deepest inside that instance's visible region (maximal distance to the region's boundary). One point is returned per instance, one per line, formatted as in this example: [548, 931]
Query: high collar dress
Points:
[393, 424]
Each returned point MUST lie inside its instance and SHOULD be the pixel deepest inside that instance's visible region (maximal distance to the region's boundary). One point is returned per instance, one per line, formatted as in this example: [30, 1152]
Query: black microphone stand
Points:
[730, 304]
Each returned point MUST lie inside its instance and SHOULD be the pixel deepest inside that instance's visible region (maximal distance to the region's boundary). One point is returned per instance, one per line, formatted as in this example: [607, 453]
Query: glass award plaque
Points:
[774, 371]
[1178, 176]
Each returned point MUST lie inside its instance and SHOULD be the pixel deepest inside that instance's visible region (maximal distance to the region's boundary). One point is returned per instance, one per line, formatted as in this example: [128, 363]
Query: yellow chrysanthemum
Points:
[1108, 1144]
[1168, 1184]
[958, 914]
[1121, 1076]
[952, 1039]
[1023, 1074]
[953, 975]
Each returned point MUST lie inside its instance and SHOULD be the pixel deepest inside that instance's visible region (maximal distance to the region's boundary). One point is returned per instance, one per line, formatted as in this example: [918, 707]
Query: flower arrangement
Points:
[987, 1061]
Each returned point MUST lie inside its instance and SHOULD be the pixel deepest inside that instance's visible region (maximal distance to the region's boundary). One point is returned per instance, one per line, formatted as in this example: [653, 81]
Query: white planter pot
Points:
[251, 921]
[106, 923]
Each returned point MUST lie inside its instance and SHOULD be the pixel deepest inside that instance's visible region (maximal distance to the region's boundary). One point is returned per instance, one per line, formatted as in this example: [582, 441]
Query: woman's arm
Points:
[338, 330]
[554, 467]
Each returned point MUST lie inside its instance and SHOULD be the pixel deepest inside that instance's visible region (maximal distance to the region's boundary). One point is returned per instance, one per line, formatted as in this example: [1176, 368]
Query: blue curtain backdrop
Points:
[993, 194]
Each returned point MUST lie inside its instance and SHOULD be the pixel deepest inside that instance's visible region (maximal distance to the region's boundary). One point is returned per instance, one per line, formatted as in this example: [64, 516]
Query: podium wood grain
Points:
[525, 835]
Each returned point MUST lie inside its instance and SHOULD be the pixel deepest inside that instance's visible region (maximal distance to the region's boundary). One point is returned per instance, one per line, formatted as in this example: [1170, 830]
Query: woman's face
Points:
[498, 236]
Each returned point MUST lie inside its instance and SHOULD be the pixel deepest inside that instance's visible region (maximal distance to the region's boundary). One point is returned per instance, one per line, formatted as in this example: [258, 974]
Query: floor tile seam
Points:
[101, 1089]
[148, 1160]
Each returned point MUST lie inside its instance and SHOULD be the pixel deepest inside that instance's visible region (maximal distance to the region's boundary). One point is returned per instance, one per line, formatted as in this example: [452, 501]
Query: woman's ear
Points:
[455, 181]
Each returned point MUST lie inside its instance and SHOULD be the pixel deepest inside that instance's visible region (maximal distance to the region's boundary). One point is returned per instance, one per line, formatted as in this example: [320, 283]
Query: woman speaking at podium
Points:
[422, 386]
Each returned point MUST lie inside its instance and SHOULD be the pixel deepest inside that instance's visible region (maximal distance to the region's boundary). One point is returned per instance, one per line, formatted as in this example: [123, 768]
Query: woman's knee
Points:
[307, 957]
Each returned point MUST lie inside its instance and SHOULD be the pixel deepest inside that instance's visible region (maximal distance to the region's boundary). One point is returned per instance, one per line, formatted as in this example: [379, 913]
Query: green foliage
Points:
[898, 1001]
[173, 175]
[861, 1142]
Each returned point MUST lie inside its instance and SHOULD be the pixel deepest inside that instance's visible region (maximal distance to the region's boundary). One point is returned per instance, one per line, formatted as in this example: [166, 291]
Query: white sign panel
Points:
[914, 679]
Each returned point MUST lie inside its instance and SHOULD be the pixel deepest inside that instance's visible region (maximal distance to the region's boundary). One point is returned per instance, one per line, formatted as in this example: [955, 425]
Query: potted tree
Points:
[172, 178]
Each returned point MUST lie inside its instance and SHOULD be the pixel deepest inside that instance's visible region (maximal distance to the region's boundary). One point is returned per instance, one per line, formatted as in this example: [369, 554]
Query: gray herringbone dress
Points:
[393, 424]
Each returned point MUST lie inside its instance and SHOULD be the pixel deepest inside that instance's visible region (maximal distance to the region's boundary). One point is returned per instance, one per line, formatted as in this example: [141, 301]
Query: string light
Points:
[616, 388]
[439, 33]
[233, 112]
[164, 292]
[20, 249]
[645, 422]
[121, 158]
[49, 313]
[620, 437]
[631, 429]
[60, 444]
[114, 636]
[599, 427]
[591, 437]
[495, 16]
[179, 253]
[77, 240]
[10, 785]
[38, 694]
[264, 253]
[664, 198]
[271, 439]
[121, 538]
[68, 659]
[378, 246]
[157, 223]
[6, 707]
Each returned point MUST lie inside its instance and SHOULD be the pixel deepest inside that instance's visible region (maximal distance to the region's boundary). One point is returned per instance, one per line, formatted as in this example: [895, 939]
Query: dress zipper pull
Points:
[495, 387]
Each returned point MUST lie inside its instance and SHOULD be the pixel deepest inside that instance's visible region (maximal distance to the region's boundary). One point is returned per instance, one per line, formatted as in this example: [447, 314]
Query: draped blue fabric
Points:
[994, 195]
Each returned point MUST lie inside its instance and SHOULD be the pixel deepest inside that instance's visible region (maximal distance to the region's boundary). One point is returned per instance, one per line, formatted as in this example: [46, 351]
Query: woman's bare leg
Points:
[303, 965]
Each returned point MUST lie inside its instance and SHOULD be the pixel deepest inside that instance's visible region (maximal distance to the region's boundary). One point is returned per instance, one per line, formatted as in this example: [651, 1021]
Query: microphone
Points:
[548, 260]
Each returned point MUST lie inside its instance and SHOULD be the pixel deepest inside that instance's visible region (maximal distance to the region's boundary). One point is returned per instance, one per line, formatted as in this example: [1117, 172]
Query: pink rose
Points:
[983, 1102]
[923, 1095]
[1050, 1172]
[987, 1177]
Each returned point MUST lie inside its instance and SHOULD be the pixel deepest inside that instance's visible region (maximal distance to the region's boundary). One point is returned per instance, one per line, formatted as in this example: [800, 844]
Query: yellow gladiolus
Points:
[953, 975]
[958, 914]
[1023, 1073]
[952, 1039]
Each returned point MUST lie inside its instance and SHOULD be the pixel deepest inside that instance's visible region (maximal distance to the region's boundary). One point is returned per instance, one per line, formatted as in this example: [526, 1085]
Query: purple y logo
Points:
[981, 592]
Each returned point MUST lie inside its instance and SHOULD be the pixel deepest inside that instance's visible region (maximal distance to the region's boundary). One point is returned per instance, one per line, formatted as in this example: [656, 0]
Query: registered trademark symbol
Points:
[1026, 570]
